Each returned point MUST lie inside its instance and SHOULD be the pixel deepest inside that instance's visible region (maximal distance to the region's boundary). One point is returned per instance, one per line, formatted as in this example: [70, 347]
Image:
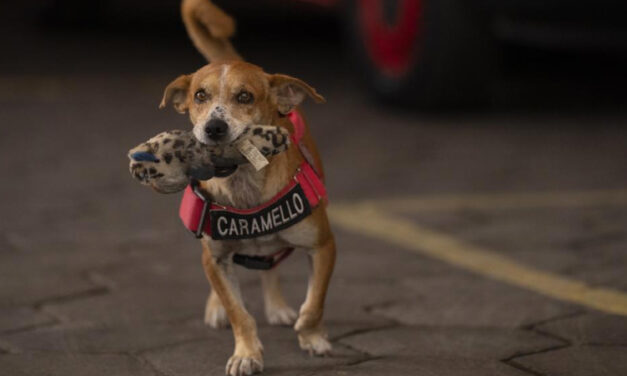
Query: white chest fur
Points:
[242, 190]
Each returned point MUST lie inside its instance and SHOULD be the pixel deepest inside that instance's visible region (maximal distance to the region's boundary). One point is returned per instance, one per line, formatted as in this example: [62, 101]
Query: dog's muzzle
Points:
[216, 129]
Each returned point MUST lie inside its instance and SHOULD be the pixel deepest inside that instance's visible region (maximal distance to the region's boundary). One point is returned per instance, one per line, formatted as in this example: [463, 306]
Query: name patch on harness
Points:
[288, 210]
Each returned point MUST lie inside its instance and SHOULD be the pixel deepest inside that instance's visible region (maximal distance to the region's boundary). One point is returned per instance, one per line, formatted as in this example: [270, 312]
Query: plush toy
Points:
[168, 161]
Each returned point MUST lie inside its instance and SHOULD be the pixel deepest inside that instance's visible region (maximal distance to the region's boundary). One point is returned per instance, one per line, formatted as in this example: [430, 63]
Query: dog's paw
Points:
[240, 366]
[215, 316]
[245, 361]
[281, 315]
[315, 342]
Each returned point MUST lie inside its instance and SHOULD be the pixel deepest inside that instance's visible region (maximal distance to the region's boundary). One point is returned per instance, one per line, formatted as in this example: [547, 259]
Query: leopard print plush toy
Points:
[168, 161]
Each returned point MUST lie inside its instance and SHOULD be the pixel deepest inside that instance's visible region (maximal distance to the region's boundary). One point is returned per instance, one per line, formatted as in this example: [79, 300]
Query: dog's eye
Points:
[201, 96]
[245, 97]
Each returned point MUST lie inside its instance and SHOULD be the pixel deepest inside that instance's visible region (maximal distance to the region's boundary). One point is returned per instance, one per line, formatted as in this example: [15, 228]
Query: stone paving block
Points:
[475, 343]
[463, 299]
[578, 361]
[139, 304]
[282, 356]
[590, 328]
[420, 366]
[65, 364]
[348, 300]
[116, 339]
[155, 281]
[18, 289]
[584, 243]
[21, 317]
[155, 266]
[610, 273]
[368, 259]
[88, 212]
[39, 269]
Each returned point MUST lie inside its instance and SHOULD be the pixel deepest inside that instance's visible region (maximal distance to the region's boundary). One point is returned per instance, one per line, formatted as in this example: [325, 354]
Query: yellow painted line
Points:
[574, 199]
[366, 219]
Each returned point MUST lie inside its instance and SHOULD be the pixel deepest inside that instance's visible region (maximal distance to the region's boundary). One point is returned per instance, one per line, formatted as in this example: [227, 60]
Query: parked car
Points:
[426, 52]
[445, 52]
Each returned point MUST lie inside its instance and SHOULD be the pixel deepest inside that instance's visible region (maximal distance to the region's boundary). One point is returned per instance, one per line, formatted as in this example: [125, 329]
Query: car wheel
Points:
[428, 52]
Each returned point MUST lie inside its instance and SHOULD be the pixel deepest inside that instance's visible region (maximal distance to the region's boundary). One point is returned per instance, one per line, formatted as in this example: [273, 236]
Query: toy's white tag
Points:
[253, 154]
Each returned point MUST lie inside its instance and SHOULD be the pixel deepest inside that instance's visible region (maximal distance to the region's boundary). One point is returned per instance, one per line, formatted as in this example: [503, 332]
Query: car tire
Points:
[430, 53]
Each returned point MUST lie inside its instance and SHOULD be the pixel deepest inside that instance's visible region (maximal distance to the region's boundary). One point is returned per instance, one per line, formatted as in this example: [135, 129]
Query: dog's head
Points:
[224, 98]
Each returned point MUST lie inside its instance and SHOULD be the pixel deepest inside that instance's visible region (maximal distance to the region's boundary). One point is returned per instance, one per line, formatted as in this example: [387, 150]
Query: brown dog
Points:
[222, 99]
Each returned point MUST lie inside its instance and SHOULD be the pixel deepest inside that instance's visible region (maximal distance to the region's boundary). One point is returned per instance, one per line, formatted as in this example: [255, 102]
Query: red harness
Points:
[202, 216]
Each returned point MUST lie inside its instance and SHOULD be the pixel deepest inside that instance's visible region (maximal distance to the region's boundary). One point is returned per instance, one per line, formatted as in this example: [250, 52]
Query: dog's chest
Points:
[241, 190]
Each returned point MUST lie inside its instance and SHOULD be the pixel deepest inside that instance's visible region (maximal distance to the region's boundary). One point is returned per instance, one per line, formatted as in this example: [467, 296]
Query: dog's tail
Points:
[209, 29]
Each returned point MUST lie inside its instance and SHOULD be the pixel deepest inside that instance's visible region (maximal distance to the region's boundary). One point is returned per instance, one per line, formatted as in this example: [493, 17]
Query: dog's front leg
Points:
[311, 334]
[247, 358]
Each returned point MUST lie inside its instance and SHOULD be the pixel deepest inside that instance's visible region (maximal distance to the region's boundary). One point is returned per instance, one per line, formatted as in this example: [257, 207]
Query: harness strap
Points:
[297, 139]
[299, 126]
[262, 262]
[195, 205]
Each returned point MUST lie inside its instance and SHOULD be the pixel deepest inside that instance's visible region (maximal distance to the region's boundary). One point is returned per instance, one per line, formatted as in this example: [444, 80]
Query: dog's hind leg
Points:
[311, 334]
[247, 358]
[215, 315]
[277, 310]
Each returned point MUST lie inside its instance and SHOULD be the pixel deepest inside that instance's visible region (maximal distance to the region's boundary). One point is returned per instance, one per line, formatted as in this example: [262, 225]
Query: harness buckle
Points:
[206, 205]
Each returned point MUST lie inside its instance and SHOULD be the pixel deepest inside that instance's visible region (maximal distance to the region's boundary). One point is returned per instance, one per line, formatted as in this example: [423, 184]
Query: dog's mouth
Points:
[208, 142]
[227, 141]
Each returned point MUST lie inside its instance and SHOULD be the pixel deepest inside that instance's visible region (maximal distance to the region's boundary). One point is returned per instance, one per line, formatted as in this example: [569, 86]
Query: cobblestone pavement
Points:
[98, 277]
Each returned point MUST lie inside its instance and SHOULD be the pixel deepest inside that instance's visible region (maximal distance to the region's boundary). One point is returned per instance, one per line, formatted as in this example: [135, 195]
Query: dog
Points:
[222, 99]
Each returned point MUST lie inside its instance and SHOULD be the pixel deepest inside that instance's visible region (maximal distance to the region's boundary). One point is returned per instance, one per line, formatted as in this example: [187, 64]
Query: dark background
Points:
[116, 58]
[84, 247]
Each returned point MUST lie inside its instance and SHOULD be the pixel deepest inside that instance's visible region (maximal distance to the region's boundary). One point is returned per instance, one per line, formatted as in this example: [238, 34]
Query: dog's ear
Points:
[176, 92]
[289, 92]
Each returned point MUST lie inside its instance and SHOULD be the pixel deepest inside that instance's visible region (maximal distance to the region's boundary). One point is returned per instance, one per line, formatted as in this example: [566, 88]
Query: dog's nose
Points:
[216, 129]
